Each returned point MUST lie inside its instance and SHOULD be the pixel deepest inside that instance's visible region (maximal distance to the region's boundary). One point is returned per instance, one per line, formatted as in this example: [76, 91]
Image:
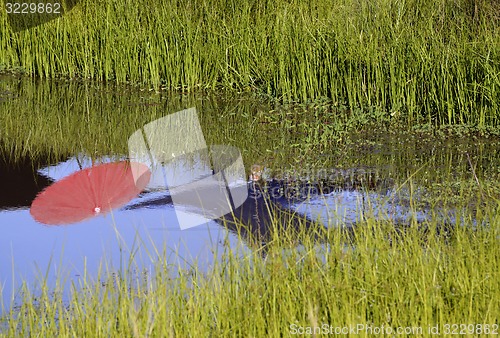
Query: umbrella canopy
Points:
[90, 192]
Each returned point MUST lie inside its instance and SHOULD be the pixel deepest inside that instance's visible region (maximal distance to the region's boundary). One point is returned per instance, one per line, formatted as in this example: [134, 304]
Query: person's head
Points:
[255, 173]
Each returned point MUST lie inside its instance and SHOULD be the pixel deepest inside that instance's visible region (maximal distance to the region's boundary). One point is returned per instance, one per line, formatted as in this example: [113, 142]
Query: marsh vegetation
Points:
[428, 61]
[406, 89]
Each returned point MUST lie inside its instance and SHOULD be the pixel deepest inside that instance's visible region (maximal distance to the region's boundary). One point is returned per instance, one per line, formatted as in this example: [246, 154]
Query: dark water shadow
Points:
[20, 180]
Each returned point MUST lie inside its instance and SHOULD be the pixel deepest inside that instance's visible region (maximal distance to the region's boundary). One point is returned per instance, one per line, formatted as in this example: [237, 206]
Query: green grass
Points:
[421, 60]
[348, 63]
[378, 276]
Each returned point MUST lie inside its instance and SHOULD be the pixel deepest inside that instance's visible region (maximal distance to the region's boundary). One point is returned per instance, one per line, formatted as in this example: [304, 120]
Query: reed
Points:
[377, 275]
[418, 60]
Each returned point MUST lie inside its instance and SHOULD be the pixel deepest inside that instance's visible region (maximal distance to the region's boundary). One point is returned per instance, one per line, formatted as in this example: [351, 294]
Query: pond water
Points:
[371, 176]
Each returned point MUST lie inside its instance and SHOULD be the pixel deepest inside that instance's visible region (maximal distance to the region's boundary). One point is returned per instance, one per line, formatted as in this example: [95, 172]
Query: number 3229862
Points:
[461, 329]
[32, 8]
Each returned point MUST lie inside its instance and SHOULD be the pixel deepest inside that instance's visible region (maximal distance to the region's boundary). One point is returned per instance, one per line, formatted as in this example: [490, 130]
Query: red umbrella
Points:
[90, 192]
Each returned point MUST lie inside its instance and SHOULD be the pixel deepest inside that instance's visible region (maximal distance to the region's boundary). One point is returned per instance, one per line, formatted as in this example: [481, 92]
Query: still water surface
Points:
[148, 225]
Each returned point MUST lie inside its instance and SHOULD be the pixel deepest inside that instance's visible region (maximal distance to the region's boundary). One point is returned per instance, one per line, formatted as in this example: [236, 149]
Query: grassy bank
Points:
[418, 59]
[383, 278]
